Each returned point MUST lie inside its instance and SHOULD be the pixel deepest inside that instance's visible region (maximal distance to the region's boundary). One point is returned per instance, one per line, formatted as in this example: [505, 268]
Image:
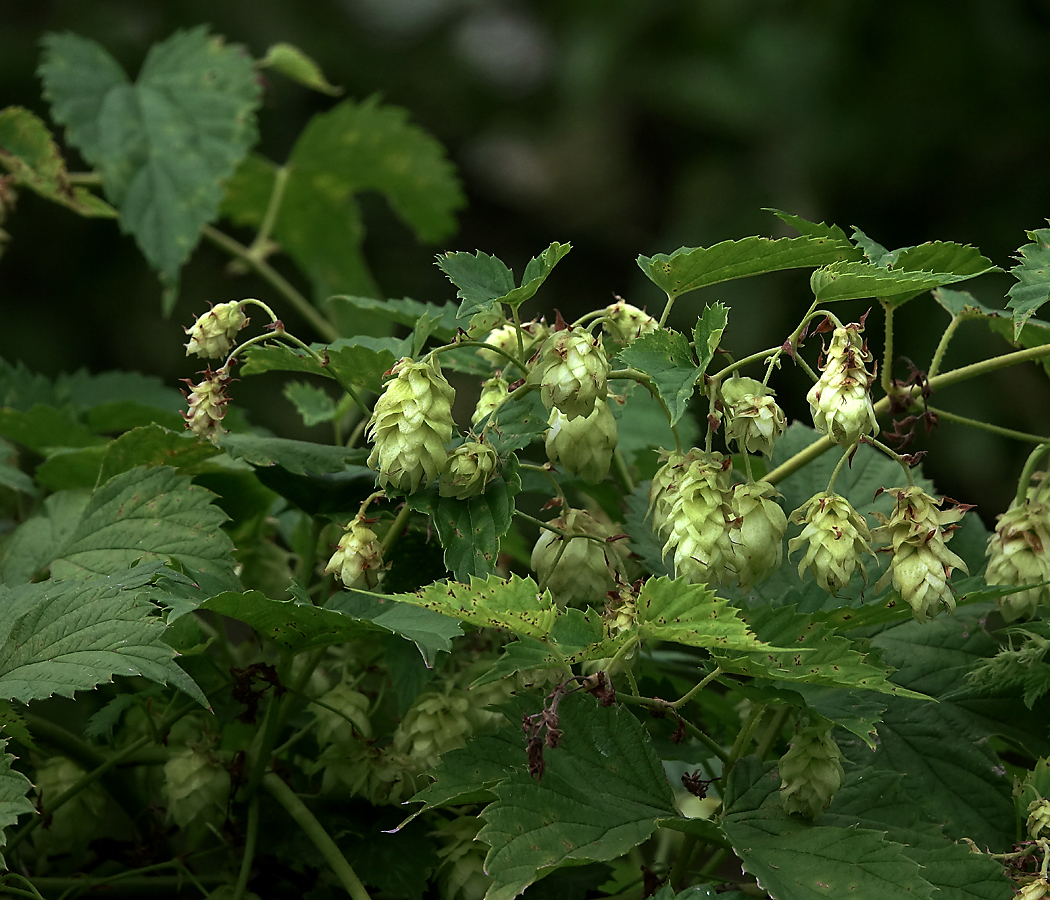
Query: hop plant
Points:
[572, 372]
[584, 445]
[207, 404]
[756, 533]
[837, 538]
[211, 336]
[506, 338]
[578, 571]
[755, 420]
[840, 400]
[358, 559]
[698, 523]
[493, 393]
[810, 772]
[411, 426]
[469, 468]
[921, 564]
[625, 323]
[1019, 554]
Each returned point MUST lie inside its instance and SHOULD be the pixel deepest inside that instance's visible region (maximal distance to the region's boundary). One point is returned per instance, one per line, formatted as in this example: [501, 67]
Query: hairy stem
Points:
[942, 346]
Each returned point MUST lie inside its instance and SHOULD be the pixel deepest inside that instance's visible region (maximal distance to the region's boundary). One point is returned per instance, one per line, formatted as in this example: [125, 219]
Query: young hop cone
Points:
[840, 401]
[493, 393]
[572, 371]
[411, 426]
[699, 521]
[755, 420]
[625, 323]
[810, 772]
[916, 533]
[207, 404]
[437, 722]
[469, 468]
[756, 533]
[836, 539]
[1019, 554]
[506, 338]
[211, 336]
[358, 559]
[461, 872]
[586, 570]
[584, 445]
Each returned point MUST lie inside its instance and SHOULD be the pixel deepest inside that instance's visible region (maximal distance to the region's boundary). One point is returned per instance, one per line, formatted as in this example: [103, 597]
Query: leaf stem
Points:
[772, 732]
[259, 247]
[620, 464]
[396, 528]
[942, 346]
[667, 309]
[568, 535]
[1026, 472]
[693, 691]
[321, 839]
[533, 467]
[444, 348]
[742, 739]
[747, 360]
[838, 467]
[658, 704]
[345, 385]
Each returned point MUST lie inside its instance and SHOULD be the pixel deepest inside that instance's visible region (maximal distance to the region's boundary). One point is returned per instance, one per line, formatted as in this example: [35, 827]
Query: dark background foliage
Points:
[622, 126]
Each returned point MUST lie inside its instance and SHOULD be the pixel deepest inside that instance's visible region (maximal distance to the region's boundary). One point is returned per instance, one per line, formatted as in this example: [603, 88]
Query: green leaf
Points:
[72, 634]
[793, 860]
[360, 361]
[44, 428]
[641, 424]
[518, 422]
[853, 280]
[1034, 333]
[29, 153]
[1033, 279]
[695, 267]
[665, 357]
[874, 251]
[963, 304]
[299, 457]
[708, 332]
[672, 610]
[14, 787]
[600, 796]
[291, 62]
[163, 145]
[312, 403]
[812, 229]
[405, 311]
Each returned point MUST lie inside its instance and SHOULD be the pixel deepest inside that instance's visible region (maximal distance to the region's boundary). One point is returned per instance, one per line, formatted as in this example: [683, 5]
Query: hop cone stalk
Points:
[756, 533]
[810, 772]
[625, 323]
[469, 468]
[837, 540]
[506, 338]
[1019, 554]
[921, 564]
[358, 559]
[411, 426]
[585, 570]
[493, 393]
[207, 404]
[755, 420]
[699, 520]
[584, 445]
[573, 372]
[839, 401]
[211, 336]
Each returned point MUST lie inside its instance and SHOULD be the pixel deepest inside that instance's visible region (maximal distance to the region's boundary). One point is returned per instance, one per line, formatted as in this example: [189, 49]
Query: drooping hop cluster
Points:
[584, 445]
[212, 335]
[921, 565]
[196, 784]
[625, 323]
[493, 393]
[837, 540]
[207, 404]
[506, 338]
[411, 426]
[1019, 554]
[754, 419]
[358, 559]
[578, 570]
[810, 772]
[756, 533]
[469, 468]
[840, 401]
[436, 723]
[572, 371]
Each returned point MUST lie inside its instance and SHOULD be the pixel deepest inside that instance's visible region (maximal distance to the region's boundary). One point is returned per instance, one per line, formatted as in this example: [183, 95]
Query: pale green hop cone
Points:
[810, 772]
[625, 323]
[493, 393]
[212, 335]
[699, 520]
[836, 538]
[840, 401]
[586, 570]
[584, 445]
[572, 371]
[468, 470]
[754, 419]
[1019, 554]
[358, 559]
[756, 533]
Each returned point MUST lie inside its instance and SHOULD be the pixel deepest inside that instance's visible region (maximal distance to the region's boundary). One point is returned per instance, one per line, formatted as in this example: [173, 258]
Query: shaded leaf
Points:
[291, 62]
[14, 802]
[1033, 279]
[44, 428]
[298, 457]
[313, 404]
[665, 357]
[708, 332]
[403, 311]
[518, 422]
[812, 229]
[963, 304]
[483, 280]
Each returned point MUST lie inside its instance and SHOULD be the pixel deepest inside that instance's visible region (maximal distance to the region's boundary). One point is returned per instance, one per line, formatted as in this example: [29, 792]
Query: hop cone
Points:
[839, 401]
[755, 420]
[195, 785]
[506, 338]
[663, 490]
[380, 776]
[411, 426]
[493, 393]
[358, 559]
[757, 533]
[1019, 553]
[211, 336]
[810, 772]
[469, 468]
[437, 722]
[585, 571]
[1038, 817]
[698, 522]
[572, 370]
[921, 563]
[343, 717]
[584, 445]
[624, 323]
[837, 539]
[207, 404]
[461, 872]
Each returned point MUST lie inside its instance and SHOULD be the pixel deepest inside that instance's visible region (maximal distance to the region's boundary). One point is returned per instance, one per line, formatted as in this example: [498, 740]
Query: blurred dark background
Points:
[623, 126]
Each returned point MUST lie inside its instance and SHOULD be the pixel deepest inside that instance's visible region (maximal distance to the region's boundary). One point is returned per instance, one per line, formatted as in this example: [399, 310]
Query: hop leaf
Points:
[840, 401]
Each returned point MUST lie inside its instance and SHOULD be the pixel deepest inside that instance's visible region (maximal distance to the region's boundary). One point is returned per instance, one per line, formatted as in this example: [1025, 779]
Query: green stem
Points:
[986, 426]
[646, 382]
[747, 360]
[772, 732]
[274, 278]
[249, 849]
[898, 458]
[568, 535]
[692, 692]
[742, 739]
[263, 306]
[517, 332]
[396, 528]
[887, 352]
[658, 704]
[942, 346]
[1026, 472]
[262, 237]
[343, 383]
[667, 310]
[838, 467]
[317, 834]
[444, 348]
[620, 465]
[532, 467]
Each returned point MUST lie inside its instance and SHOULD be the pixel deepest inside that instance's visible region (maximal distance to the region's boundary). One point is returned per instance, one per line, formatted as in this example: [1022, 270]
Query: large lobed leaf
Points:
[163, 145]
[14, 787]
[672, 610]
[664, 356]
[360, 361]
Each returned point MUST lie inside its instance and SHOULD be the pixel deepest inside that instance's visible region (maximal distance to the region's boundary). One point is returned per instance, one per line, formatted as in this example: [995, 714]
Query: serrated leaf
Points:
[360, 361]
[673, 610]
[874, 251]
[641, 424]
[403, 311]
[33, 544]
[601, 794]
[695, 267]
[291, 62]
[664, 356]
[1034, 333]
[163, 145]
[853, 280]
[708, 332]
[14, 726]
[44, 428]
[14, 802]
[794, 860]
[298, 457]
[72, 634]
[812, 229]
[1033, 279]
[313, 404]
[963, 304]
[29, 153]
